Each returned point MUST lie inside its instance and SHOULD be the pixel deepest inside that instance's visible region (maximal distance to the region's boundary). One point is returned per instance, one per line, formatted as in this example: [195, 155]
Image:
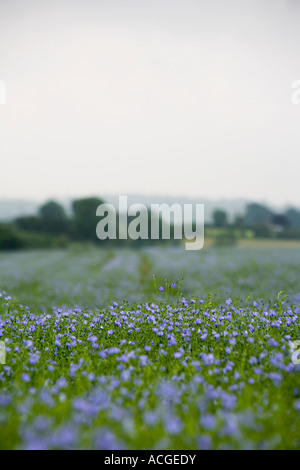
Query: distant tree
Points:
[84, 218]
[53, 218]
[52, 210]
[28, 224]
[9, 239]
[293, 216]
[280, 220]
[257, 215]
[239, 223]
[219, 218]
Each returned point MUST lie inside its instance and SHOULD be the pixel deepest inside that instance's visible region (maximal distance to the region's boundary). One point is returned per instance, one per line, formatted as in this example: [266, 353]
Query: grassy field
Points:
[101, 355]
[87, 277]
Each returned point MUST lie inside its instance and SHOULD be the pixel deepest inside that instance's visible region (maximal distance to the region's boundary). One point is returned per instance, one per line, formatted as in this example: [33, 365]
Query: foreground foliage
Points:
[180, 374]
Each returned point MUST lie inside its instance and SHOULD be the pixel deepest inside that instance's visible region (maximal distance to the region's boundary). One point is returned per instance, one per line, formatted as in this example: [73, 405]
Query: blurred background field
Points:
[90, 277]
[54, 258]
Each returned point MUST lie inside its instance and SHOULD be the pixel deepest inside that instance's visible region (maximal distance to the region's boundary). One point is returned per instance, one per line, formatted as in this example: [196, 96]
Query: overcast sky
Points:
[166, 97]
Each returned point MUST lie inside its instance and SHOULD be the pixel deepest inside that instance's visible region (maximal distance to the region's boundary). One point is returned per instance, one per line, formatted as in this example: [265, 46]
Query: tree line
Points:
[53, 227]
[262, 221]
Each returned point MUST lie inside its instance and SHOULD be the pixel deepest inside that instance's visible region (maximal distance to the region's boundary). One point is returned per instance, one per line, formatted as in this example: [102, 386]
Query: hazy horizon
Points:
[171, 98]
